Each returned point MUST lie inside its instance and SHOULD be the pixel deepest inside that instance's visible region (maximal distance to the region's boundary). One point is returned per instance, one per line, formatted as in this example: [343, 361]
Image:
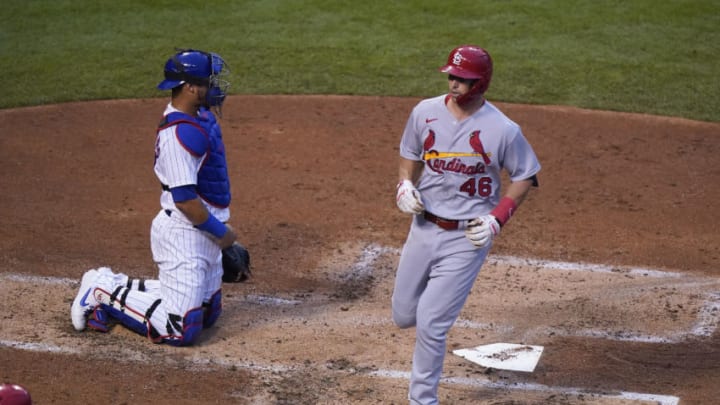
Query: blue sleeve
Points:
[193, 139]
[183, 193]
[213, 226]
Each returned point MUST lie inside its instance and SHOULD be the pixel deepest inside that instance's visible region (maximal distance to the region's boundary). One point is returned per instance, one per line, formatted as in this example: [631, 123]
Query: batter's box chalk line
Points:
[588, 267]
[708, 318]
[485, 383]
[267, 300]
[363, 267]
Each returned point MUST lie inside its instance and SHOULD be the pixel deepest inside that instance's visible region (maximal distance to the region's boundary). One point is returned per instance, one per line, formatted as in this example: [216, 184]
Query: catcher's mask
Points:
[198, 68]
[470, 62]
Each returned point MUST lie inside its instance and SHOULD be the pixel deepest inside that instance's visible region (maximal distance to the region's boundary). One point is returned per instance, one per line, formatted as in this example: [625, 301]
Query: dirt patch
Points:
[313, 198]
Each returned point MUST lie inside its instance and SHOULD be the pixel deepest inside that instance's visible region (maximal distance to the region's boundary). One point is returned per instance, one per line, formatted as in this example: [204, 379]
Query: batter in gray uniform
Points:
[452, 153]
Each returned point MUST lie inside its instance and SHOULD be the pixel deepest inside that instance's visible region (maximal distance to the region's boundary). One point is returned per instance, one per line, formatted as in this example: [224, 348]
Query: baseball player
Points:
[189, 232]
[452, 152]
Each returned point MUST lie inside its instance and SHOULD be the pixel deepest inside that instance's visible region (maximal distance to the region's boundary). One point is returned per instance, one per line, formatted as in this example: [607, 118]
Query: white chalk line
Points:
[484, 383]
[132, 355]
[38, 347]
[38, 280]
[707, 322]
[579, 266]
[709, 316]
[267, 300]
[363, 267]
[706, 325]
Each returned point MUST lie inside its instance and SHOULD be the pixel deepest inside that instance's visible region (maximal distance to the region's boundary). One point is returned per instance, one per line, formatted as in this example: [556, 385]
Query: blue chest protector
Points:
[201, 135]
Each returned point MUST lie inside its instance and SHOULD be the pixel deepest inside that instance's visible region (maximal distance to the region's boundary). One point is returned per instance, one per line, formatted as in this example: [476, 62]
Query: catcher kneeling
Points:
[194, 249]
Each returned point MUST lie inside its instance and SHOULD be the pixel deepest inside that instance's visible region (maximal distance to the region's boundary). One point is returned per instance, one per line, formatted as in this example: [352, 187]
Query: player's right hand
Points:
[408, 198]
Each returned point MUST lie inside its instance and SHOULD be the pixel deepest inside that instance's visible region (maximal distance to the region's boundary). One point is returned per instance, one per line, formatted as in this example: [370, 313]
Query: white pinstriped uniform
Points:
[190, 164]
[189, 260]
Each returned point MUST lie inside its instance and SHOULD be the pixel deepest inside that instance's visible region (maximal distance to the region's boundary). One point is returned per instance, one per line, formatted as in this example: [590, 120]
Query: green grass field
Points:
[657, 57]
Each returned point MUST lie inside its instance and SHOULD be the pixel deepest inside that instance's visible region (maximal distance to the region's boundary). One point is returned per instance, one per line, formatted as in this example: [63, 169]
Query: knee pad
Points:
[212, 309]
[192, 325]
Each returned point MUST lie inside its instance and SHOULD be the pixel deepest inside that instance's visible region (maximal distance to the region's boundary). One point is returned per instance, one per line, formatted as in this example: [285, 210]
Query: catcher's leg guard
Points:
[99, 320]
[212, 309]
[180, 331]
[128, 319]
[113, 306]
[143, 285]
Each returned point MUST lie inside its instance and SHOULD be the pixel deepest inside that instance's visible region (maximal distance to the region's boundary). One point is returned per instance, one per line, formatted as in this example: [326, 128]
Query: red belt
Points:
[446, 224]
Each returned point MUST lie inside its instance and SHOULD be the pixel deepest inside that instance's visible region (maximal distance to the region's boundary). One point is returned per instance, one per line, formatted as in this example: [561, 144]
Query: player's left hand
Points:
[481, 231]
[228, 239]
[236, 263]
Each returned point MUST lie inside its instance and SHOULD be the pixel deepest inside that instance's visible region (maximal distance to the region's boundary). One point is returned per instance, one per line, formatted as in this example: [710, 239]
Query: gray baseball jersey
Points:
[461, 178]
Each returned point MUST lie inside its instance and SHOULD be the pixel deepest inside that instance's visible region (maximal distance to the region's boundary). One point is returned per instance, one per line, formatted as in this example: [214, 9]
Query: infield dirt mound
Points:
[313, 198]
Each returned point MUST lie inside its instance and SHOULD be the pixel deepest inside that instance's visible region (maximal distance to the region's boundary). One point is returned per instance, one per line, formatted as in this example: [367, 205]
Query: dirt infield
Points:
[612, 265]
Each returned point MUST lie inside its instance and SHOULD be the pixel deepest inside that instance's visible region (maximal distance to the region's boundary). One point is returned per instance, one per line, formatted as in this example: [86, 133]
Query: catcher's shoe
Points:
[84, 302]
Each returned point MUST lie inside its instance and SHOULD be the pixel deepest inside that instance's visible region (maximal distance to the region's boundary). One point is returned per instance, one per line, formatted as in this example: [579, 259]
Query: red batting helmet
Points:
[13, 394]
[470, 62]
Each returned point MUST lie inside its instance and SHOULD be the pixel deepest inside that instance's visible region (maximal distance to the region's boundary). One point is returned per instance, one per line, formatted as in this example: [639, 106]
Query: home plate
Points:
[504, 356]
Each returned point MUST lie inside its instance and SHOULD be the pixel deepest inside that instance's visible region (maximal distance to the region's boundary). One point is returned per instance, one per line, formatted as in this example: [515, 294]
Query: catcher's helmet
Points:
[199, 68]
[470, 62]
[13, 394]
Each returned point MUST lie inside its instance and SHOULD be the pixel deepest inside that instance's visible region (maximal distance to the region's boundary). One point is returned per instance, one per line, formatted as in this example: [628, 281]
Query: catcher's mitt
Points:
[236, 263]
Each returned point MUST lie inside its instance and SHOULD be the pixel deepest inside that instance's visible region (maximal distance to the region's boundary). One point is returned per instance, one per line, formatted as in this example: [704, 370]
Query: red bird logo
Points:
[478, 146]
[429, 141]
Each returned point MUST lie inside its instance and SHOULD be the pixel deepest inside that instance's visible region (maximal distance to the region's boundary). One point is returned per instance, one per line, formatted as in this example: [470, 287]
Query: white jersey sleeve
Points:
[175, 166]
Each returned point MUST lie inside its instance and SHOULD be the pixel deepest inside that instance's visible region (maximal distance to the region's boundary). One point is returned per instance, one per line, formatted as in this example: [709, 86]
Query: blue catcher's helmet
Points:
[199, 68]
